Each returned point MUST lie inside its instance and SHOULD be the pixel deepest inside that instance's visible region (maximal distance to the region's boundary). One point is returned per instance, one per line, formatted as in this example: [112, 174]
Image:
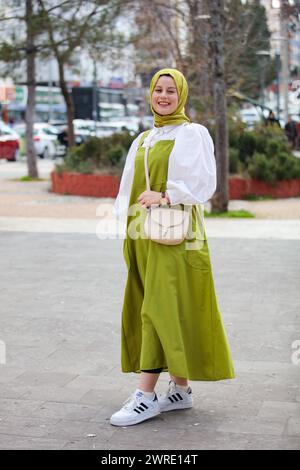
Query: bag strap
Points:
[146, 161]
[146, 167]
[147, 147]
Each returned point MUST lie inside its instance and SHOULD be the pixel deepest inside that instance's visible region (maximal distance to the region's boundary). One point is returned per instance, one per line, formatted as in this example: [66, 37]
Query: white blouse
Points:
[191, 169]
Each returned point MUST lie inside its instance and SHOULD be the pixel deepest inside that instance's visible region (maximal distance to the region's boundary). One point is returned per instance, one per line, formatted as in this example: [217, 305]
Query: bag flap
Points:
[168, 217]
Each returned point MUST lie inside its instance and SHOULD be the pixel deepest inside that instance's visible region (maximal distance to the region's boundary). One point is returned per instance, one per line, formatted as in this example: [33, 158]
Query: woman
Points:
[170, 319]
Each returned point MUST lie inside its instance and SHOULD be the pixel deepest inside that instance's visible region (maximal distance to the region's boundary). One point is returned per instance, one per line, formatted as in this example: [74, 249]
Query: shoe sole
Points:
[139, 419]
[175, 407]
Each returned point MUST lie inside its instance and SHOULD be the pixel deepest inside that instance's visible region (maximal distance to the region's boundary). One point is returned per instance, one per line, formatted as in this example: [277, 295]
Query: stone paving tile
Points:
[95, 397]
[43, 378]
[18, 407]
[25, 426]
[66, 411]
[9, 373]
[205, 439]
[8, 442]
[279, 410]
[267, 379]
[85, 444]
[11, 390]
[61, 324]
[293, 428]
[254, 425]
[96, 438]
[272, 443]
[269, 392]
[239, 408]
[54, 393]
[147, 433]
[45, 428]
[94, 382]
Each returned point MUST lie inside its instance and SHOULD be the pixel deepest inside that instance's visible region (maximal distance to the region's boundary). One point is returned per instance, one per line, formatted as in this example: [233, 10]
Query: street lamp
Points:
[277, 66]
[282, 65]
[95, 95]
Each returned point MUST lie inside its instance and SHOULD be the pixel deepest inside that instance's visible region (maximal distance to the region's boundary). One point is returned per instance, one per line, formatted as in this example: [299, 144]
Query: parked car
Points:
[106, 129]
[82, 130]
[85, 128]
[9, 143]
[45, 139]
[250, 116]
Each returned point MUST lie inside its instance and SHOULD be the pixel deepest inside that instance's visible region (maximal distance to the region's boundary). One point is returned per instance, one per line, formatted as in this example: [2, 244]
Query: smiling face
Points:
[164, 97]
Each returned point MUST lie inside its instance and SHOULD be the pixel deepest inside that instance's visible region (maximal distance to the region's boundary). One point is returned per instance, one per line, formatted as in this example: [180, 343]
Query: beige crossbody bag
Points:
[164, 224]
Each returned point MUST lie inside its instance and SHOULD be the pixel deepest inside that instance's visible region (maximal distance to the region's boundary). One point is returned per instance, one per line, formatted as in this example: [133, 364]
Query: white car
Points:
[133, 123]
[106, 129]
[87, 127]
[250, 116]
[45, 139]
[83, 129]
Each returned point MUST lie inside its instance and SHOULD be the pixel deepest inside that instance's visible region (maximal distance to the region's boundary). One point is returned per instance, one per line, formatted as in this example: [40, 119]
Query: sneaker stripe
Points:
[137, 411]
[175, 398]
[141, 408]
[145, 406]
[171, 399]
[179, 396]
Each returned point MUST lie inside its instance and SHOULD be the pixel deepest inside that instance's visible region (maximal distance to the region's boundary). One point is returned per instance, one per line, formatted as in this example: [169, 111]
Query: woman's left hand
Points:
[149, 197]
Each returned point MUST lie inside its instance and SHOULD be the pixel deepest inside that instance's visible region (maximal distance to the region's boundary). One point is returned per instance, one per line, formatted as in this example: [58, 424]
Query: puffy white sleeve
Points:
[192, 166]
[122, 200]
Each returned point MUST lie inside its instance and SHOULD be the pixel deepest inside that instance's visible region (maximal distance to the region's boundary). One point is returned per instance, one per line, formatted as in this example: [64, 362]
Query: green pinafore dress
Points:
[170, 316]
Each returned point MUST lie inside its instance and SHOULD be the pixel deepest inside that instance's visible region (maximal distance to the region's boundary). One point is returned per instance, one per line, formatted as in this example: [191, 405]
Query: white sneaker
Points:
[136, 409]
[175, 398]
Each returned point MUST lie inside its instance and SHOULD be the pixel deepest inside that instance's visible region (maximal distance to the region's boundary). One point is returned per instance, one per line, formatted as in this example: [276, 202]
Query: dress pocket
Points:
[198, 258]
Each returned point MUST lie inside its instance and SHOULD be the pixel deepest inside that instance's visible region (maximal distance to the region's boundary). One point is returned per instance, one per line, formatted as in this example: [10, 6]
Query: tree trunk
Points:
[200, 57]
[69, 104]
[30, 107]
[220, 199]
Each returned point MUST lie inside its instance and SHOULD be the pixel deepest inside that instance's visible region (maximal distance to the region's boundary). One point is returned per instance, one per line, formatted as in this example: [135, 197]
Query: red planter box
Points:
[108, 186]
[85, 185]
[239, 188]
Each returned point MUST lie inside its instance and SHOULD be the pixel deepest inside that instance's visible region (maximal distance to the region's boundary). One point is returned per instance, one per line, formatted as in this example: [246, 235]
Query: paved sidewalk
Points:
[61, 291]
[35, 199]
[61, 298]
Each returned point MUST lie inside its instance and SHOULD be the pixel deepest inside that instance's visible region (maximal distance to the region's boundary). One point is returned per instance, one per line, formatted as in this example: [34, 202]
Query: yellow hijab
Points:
[178, 116]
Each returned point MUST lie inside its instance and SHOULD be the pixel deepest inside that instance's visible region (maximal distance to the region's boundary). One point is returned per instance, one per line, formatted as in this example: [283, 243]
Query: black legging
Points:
[153, 371]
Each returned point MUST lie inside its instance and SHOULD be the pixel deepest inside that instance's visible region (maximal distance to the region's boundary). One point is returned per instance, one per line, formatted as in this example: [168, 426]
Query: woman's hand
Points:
[149, 197]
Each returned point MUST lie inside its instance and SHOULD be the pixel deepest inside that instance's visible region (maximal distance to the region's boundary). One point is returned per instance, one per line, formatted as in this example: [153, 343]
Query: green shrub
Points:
[115, 154]
[271, 169]
[246, 145]
[106, 155]
[274, 146]
[262, 168]
[86, 167]
[233, 160]
[263, 153]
